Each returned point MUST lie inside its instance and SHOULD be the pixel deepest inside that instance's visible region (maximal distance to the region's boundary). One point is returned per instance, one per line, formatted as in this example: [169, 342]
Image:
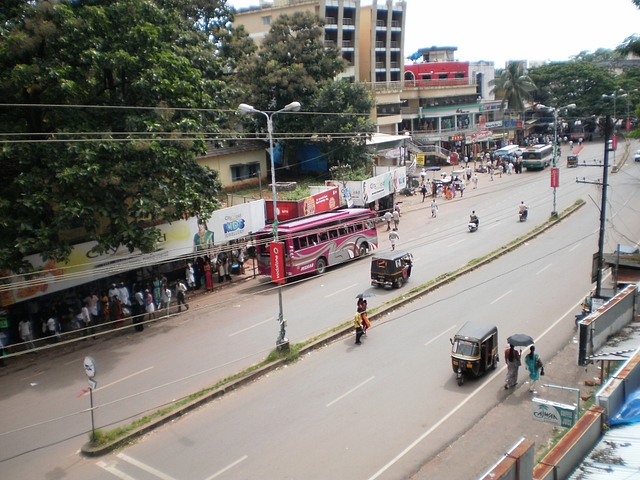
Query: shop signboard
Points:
[177, 240]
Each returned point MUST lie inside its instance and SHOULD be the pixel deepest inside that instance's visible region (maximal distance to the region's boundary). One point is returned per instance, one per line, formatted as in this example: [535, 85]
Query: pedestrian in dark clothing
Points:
[357, 323]
[424, 192]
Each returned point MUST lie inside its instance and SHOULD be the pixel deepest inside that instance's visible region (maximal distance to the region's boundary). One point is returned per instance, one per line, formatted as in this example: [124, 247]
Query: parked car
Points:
[636, 157]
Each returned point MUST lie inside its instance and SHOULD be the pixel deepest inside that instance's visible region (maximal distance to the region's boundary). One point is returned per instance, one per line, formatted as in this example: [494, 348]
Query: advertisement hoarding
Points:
[277, 261]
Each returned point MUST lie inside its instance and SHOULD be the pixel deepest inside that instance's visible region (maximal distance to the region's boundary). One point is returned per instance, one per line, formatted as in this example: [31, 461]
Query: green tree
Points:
[345, 120]
[600, 55]
[514, 86]
[582, 83]
[112, 100]
[292, 63]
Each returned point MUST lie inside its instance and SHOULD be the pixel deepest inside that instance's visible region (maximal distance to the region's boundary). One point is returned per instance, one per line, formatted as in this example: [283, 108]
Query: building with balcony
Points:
[448, 103]
[341, 17]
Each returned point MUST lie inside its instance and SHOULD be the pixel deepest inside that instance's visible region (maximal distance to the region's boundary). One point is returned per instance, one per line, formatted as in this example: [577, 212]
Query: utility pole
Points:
[603, 207]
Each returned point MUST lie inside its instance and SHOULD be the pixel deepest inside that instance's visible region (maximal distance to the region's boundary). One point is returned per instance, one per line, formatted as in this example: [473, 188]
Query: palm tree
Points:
[514, 85]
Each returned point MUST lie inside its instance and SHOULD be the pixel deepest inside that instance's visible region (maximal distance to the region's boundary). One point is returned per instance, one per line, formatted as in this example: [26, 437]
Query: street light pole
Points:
[281, 343]
[554, 213]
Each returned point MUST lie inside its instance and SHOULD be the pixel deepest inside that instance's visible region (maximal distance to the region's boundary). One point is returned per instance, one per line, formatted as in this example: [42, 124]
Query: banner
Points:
[277, 261]
[555, 177]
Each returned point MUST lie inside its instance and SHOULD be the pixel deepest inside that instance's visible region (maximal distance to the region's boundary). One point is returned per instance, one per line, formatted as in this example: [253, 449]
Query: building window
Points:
[266, 20]
[244, 171]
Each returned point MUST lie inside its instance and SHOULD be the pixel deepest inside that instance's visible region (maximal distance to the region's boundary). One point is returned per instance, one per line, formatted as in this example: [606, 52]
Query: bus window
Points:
[342, 231]
[324, 237]
[303, 242]
[296, 244]
[370, 224]
[313, 239]
[333, 234]
[358, 227]
[350, 228]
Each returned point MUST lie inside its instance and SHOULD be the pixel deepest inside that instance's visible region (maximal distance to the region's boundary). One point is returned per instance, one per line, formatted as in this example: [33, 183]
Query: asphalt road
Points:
[222, 338]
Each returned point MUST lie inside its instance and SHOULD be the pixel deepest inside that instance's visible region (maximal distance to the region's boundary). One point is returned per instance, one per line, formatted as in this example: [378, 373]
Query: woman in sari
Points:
[208, 279]
[512, 359]
[157, 292]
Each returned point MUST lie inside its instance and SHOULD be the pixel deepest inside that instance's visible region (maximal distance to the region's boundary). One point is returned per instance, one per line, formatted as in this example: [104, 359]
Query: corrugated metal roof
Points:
[616, 455]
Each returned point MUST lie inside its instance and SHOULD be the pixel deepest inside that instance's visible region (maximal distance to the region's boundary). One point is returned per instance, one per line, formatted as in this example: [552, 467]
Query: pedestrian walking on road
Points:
[474, 179]
[181, 288]
[512, 359]
[534, 365]
[357, 324]
[423, 190]
[393, 238]
[434, 208]
[387, 218]
[396, 219]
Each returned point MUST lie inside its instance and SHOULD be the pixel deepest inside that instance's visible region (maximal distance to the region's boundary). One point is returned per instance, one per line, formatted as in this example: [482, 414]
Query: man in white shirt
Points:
[124, 296]
[26, 333]
[181, 288]
[166, 298]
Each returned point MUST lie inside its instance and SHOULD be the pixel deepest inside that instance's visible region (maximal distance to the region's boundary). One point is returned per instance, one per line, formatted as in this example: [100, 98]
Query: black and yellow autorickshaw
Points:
[391, 269]
[572, 161]
[474, 349]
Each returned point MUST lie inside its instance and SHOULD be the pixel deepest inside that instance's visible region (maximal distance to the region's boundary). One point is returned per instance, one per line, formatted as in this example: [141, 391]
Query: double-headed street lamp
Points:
[554, 213]
[615, 95]
[281, 343]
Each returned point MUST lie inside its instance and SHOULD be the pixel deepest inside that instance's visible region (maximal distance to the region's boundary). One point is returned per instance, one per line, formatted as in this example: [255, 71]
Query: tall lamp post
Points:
[615, 97]
[554, 213]
[281, 343]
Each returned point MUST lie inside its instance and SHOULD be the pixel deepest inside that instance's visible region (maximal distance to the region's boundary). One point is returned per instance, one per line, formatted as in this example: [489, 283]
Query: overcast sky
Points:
[501, 30]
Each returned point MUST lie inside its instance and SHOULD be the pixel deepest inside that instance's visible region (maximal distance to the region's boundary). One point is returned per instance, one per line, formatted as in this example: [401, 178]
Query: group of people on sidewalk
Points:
[532, 363]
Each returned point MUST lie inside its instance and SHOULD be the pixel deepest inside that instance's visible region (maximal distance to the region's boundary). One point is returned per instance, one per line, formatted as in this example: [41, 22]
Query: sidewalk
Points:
[474, 453]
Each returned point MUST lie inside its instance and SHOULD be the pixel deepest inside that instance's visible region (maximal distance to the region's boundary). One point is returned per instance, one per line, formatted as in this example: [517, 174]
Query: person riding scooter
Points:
[524, 211]
[473, 219]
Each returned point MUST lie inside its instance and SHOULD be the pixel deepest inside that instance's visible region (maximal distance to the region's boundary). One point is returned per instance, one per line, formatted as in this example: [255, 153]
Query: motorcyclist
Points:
[523, 209]
[473, 218]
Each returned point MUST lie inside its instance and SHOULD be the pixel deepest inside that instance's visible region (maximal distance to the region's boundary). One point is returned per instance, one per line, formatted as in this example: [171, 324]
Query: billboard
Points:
[179, 239]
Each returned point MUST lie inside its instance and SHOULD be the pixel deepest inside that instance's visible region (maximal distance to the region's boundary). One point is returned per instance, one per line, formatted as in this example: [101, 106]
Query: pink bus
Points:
[316, 242]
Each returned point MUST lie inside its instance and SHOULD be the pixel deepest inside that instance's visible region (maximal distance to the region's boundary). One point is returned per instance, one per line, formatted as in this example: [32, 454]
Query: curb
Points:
[89, 450]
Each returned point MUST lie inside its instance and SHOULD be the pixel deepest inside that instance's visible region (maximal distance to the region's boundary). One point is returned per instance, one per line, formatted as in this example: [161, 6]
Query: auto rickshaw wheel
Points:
[321, 266]
[399, 282]
[460, 381]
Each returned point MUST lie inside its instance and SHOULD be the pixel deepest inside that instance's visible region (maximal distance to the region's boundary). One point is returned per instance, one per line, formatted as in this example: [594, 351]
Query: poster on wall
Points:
[179, 239]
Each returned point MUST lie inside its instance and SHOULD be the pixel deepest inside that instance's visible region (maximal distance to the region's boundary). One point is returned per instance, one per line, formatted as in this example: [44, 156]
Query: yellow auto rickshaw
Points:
[572, 161]
[474, 349]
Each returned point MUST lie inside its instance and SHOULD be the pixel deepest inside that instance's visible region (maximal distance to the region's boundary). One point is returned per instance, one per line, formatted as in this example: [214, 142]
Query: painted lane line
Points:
[144, 467]
[491, 226]
[121, 380]
[252, 326]
[461, 404]
[544, 269]
[459, 241]
[340, 291]
[73, 361]
[410, 239]
[31, 376]
[435, 338]
[426, 234]
[350, 391]
[220, 472]
[575, 247]
[501, 297]
[111, 468]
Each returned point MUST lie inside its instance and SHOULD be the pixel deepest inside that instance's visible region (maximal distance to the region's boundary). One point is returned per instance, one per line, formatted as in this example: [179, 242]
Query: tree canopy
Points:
[103, 102]
[514, 86]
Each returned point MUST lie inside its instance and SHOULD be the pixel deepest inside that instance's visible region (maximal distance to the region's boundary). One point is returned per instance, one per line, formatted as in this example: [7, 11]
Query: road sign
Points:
[92, 384]
[89, 367]
[555, 177]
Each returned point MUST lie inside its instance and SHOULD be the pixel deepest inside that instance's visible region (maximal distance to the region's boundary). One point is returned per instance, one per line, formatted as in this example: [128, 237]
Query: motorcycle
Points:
[473, 226]
[524, 214]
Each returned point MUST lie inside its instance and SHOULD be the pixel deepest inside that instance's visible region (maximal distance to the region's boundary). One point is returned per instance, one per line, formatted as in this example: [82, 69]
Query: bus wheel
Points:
[363, 250]
[321, 266]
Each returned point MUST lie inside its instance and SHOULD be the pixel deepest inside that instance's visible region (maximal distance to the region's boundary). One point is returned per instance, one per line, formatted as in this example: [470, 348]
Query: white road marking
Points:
[461, 404]
[426, 234]
[575, 247]
[340, 291]
[459, 241]
[144, 467]
[491, 226]
[122, 379]
[31, 376]
[544, 269]
[111, 468]
[220, 472]
[501, 297]
[252, 326]
[73, 361]
[350, 391]
[410, 240]
[435, 338]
